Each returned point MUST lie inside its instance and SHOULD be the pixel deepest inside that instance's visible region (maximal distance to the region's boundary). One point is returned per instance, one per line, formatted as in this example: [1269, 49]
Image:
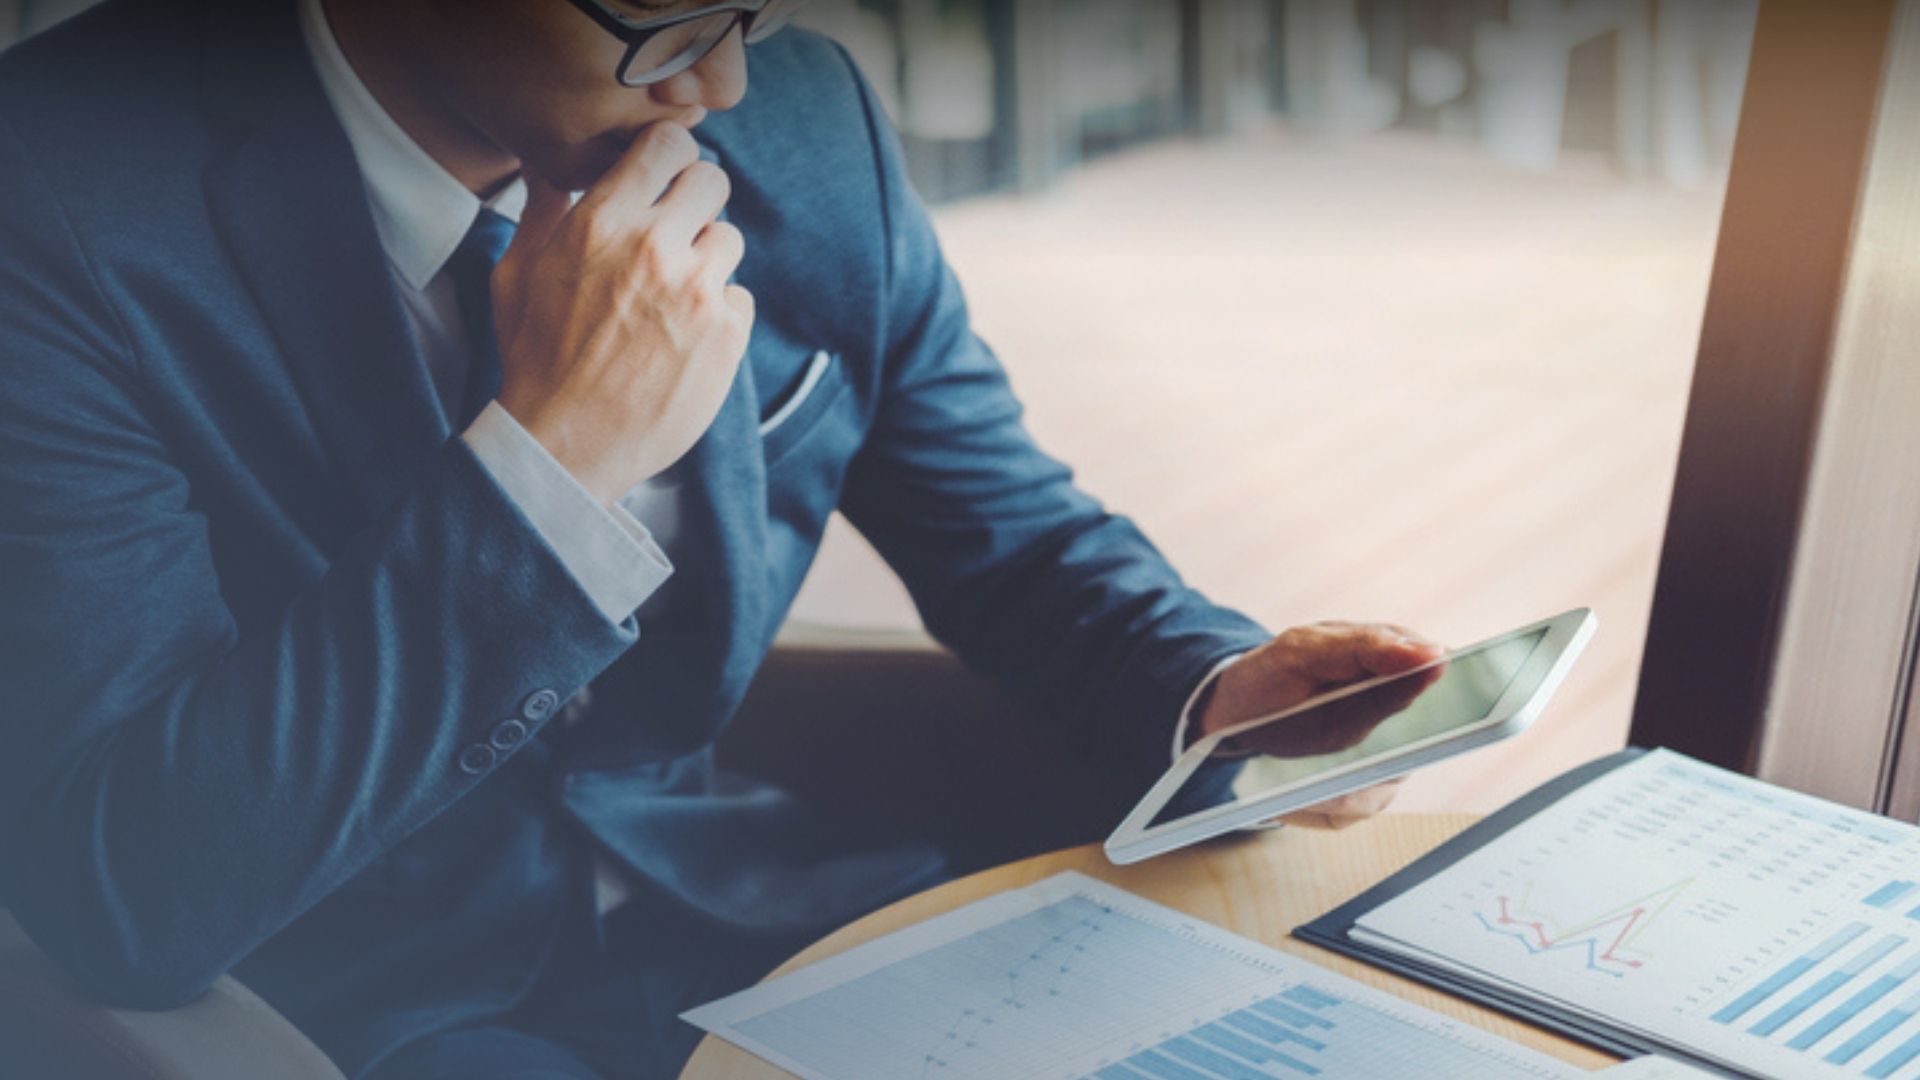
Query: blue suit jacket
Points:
[276, 647]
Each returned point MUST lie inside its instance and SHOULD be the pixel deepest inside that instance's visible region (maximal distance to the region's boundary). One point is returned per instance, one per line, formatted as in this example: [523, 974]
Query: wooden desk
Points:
[1261, 886]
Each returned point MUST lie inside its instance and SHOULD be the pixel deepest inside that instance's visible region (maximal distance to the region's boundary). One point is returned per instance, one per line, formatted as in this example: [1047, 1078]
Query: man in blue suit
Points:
[416, 418]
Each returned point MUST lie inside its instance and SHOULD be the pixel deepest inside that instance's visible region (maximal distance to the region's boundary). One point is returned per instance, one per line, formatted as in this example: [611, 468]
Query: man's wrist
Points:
[611, 554]
[1197, 712]
[1191, 727]
[562, 450]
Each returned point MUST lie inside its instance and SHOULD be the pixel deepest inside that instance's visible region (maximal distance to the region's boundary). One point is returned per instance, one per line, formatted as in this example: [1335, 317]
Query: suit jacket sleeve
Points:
[174, 791]
[1011, 564]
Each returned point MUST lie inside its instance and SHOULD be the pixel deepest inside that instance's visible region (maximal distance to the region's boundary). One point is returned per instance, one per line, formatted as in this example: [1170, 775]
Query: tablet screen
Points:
[1422, 705]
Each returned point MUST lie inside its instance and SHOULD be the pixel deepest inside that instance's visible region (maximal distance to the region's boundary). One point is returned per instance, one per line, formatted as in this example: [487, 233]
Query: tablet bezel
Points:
[1522, 701]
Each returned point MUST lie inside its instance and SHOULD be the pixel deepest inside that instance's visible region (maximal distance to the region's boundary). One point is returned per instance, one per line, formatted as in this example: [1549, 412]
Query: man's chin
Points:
[586, 164]
[578, 173]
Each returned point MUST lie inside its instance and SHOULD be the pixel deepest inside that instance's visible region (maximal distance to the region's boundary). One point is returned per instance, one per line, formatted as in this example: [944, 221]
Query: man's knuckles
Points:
[597, 230]
[652, 265]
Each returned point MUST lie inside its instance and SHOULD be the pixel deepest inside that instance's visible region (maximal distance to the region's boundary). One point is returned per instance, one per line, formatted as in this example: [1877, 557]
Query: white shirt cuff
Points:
[1186, 711]
[611, 555]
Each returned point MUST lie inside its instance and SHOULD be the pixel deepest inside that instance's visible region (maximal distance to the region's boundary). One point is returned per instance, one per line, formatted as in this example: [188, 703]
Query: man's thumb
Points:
[546, 207]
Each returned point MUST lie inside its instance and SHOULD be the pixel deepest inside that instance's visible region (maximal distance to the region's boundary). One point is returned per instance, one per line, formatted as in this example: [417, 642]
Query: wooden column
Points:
[1756, 611]
[1840, 715]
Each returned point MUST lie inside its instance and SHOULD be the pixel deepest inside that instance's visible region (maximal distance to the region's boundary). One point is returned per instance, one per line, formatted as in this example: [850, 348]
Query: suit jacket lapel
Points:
[726, 512]
[289, 203]
[726, 504]
[693, 664]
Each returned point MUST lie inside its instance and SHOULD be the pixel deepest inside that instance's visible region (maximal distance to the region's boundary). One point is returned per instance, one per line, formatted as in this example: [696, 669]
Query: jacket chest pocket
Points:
[799, 406]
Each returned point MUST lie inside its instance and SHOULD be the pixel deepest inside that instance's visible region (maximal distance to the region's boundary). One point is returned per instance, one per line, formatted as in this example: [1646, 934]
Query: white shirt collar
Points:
[421, 212]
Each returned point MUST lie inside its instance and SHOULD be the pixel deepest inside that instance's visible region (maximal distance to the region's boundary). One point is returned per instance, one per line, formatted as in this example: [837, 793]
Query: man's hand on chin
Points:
[1304, 663]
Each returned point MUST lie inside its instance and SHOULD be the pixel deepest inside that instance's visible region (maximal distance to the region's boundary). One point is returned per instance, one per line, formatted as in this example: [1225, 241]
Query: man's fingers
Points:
[694, 200]
[1322, 653]
[1348, 809]
[1367, 801]
[659, 153]
[1341, 654]
[546, 207]
[719, 247]
[743, 305]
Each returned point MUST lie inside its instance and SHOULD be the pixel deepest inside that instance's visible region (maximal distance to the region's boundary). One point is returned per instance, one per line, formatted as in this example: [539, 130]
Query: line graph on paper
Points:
[1072, 979]
[1022, 996]
[1057, 950]
[1605, 943]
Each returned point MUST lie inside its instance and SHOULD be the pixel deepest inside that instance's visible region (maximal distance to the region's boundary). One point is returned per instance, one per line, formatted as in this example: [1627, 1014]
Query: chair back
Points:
[49, 1028]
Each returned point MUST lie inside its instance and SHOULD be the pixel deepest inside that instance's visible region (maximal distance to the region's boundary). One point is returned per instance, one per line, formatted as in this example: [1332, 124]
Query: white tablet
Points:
[1353, 738]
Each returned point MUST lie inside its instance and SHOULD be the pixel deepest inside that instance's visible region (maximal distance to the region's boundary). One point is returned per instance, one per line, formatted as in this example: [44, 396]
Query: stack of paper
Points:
[1071, 979]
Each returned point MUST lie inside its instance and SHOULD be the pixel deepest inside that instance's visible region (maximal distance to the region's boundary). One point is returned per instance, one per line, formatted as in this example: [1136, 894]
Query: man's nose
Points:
[716, 83]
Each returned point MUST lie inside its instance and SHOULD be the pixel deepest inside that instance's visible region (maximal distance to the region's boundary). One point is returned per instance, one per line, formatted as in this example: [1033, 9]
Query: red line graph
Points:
[1544, 941]
[1606, 941]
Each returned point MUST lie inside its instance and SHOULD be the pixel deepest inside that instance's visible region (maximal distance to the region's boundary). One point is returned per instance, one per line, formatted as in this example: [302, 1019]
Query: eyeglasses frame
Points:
[635, 33]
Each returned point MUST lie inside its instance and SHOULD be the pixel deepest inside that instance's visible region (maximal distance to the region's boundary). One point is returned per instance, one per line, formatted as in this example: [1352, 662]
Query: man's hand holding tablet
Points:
[1320, 720]
[1305, 663]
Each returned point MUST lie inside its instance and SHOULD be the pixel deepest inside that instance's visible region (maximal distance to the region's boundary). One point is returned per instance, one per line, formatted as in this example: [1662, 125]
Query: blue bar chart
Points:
[1889, 895]
[1856, 1005]
[1902, 1055]
[1827, 985]
[1866, 1037]
[1301, 1032]
[1831, 1002]
[1792, 971]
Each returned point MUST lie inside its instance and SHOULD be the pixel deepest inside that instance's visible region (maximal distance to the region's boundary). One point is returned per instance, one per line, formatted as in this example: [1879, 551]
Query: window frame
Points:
[1783, 635]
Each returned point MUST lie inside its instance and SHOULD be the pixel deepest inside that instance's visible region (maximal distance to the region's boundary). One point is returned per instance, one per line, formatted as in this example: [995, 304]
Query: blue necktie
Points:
[472, 270]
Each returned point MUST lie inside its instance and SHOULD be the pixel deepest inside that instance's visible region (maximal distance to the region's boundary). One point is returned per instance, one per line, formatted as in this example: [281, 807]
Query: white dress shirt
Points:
[422, 214]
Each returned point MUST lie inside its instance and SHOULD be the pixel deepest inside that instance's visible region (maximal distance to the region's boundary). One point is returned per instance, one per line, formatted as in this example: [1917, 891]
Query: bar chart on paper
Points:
[1767, 931]
[1072, 979]
[1850, 1001]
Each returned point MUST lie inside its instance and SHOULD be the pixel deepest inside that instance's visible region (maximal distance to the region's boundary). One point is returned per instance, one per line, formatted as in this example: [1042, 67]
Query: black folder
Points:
[1332, 930]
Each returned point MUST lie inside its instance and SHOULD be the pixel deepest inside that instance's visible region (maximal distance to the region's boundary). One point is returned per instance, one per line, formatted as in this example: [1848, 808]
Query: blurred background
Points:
[1365, 310]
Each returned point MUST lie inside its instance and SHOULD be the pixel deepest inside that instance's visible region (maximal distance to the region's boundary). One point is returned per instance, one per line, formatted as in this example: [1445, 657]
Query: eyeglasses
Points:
[659, 49]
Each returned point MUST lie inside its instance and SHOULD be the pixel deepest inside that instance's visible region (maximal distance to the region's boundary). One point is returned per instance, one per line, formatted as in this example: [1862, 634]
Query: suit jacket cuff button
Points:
[507, 735]
[539, 706]
[477, 759]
